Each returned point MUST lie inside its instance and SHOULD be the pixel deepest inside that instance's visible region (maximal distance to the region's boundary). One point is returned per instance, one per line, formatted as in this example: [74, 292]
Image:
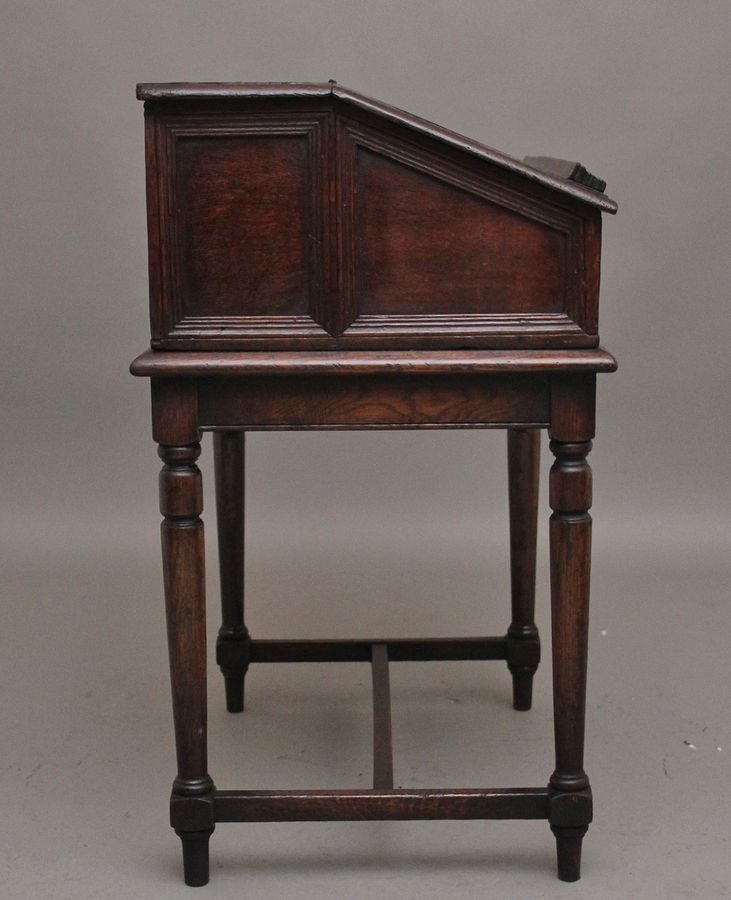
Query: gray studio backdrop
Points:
[412, 523]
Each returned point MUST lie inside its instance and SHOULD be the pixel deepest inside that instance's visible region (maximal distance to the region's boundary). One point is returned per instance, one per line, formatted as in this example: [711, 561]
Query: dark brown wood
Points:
[421, 127]
[174, 411]
[227, 92]
[233, 636]
[413, 228]
[443, 190]
[570, 533]
[236, 224]
[382, 739]
[196, 364]
[315, 218]
[568, 845]
[183, 555]
[321, 260]
[252, 193]
[195, 857]
[379, 401]
[564, 168]
[573, 397]
[570, 545]
[523, 474]
[358, 805]
[224, 90]
[360, 650]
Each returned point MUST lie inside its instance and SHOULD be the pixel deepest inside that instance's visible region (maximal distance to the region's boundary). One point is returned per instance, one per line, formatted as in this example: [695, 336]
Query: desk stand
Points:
[188, 397]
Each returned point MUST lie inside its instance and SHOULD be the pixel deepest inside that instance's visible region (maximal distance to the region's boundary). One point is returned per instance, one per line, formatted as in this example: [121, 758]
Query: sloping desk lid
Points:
[543, 170]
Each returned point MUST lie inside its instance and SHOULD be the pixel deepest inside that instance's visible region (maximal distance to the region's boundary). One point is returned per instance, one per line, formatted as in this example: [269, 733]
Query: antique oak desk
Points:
[319, 260]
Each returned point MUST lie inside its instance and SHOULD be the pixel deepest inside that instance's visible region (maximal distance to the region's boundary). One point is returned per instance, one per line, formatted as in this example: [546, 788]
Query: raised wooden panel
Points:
[237, 223]
[426, 247]
[378, 401]
[243, 214]
[438, 251]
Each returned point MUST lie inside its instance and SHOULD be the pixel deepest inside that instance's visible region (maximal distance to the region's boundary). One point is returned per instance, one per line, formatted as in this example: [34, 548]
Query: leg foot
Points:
[234, 685]
[568, 850]
[195, 856]
[522, 686]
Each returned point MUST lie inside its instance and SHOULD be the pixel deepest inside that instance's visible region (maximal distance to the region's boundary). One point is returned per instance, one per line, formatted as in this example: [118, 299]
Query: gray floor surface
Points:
[88, 751]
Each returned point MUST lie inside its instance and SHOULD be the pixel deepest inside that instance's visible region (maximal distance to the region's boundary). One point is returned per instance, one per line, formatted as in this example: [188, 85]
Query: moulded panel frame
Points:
[576, 325]
[166, 127]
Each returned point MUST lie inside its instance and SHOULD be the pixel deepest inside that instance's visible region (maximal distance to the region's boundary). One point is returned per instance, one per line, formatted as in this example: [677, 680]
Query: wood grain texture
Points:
[299, 218]
[573, 403]
[217, 92]
[181, 501]
[174, 410]
[378, 401]
[226, 91]
[321, 260]
[237, 215]
[428, 286]
[243, 206]
[355, 805]
[183, 554]
[471, 147]
[413, 228]
[570, 536]
[570, 530]
[160, 364]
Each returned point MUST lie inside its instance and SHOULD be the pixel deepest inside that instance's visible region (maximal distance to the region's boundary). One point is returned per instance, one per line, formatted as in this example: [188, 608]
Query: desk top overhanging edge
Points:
[171, 364]
[233, 91]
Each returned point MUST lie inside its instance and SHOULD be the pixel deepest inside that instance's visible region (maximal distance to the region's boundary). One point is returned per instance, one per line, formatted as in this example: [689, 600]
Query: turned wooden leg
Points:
[232, 646]
[191, 804]
[523, 644]
[570, 540]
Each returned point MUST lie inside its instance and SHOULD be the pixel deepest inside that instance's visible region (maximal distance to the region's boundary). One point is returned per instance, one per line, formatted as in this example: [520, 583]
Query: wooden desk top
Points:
[160, 364]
